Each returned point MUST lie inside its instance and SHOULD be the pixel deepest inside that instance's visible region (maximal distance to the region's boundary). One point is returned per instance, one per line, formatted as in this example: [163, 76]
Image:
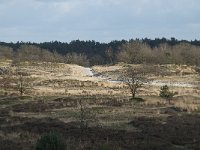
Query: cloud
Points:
[50, 1]
[65, 20]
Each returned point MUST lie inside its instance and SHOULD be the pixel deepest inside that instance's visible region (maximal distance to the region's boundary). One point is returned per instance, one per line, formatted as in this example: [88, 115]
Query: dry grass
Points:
[64, 79]
[189, 103]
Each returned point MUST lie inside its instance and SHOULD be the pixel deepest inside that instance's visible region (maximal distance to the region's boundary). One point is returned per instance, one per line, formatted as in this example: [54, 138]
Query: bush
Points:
[104, 147]
[165, 93]
[50, 141]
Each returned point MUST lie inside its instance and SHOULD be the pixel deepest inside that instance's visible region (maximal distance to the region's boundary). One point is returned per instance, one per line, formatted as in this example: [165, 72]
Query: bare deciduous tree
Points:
[21, 87]
[33, 53]
[87, 115]
[75, 58]
[109, 54]
[6, 52]
[134, 52]
[23, 81]
[6, 79]
[135, 77]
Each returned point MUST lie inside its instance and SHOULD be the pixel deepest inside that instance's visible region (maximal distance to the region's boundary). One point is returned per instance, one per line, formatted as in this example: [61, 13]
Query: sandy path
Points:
[81, 71]
[89, 72]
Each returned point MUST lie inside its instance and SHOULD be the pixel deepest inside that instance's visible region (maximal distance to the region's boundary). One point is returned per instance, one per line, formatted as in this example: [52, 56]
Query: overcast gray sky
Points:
[100, 20]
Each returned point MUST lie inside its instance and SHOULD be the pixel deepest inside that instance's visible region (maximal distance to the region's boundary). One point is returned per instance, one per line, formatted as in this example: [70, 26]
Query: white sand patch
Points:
[88, 72]
[176, 84]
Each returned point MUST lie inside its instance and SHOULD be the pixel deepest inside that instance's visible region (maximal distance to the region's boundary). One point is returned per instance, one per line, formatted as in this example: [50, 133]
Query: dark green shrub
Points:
[104, 147]
[50, 141]
[165, 93]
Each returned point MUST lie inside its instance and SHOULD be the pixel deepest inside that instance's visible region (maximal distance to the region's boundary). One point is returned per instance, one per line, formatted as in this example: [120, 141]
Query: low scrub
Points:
[51, 141]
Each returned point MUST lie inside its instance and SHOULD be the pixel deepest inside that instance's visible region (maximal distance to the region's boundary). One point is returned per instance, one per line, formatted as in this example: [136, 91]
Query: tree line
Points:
[157, 51]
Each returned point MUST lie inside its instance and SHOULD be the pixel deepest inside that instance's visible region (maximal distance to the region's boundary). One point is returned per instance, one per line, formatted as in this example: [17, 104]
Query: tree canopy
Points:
[157, 51]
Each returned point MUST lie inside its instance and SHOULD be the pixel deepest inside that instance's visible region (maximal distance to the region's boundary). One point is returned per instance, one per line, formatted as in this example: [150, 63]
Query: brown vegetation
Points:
[138, 52]
[92, 112]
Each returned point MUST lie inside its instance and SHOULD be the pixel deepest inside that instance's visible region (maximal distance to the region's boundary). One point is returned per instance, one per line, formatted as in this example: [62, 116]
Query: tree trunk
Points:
[21, 89]
[133, 91]
[169, 101]
[111, 61]
[21, 86]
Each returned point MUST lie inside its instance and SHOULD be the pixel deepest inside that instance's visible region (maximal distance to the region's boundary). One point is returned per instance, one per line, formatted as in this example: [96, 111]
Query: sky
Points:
[99, 20]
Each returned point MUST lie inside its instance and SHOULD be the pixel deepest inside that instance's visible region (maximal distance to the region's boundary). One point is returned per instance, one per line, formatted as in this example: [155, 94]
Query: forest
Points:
[89, 53]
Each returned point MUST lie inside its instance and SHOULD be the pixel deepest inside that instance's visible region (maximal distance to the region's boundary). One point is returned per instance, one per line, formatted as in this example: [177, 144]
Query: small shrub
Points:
[50, 141]
[104, 147]
[165, 93]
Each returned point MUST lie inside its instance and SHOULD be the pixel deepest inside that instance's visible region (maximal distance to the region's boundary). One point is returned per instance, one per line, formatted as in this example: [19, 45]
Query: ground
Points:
[111, 119]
